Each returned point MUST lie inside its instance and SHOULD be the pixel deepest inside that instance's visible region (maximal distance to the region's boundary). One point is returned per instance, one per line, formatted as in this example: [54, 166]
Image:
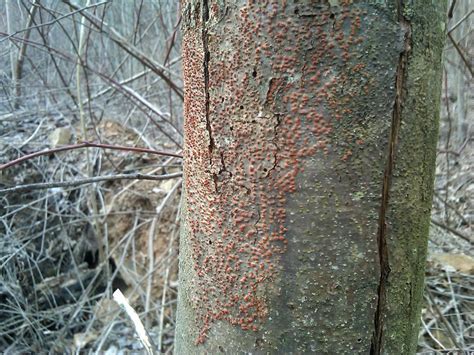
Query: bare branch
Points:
[137, 323]
[452, 230]
[460, 21]
[129, 48]
[127, 93]
[87, 145]
[29, 28]
[74, 183]
[460, 52]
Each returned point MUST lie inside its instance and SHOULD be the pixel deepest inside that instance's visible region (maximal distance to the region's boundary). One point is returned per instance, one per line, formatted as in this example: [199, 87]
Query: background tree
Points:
[310, 135]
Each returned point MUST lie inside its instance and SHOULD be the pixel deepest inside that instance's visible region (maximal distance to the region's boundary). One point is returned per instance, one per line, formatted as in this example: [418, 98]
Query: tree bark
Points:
[310, 136]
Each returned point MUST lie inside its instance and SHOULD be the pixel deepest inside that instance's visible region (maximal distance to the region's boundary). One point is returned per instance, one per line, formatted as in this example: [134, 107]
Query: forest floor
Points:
[448, 311]
[62, 291]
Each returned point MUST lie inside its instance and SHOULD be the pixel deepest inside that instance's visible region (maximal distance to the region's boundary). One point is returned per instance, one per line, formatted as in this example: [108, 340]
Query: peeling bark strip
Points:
[377, 344]
[289, 112]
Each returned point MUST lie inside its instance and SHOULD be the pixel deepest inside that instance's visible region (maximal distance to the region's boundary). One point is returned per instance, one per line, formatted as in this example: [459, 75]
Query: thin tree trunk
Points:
[310, 135]
[9, 16]
[18, 72]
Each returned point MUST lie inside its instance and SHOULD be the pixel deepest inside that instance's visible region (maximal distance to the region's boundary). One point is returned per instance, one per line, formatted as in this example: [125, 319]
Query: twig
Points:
[446, 147]
[129, 48]
[48, 185]
[433, 321]
[28, 140]
[452, 230]
[151, 265]
[130, 185]
[87, 145]
[427, 330]
[458, 49]
[441, 151]
[151, 237]
[460, 21]
[456, 309]
[454, 209]
[139, 328]
[55, 20]
[463, 145]
[443, 319]
[122, 82]
[128, 94]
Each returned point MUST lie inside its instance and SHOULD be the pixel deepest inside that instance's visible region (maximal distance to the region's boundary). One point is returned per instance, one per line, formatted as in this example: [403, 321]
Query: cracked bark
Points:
[205, 64]
[207, 54]
[376, 346]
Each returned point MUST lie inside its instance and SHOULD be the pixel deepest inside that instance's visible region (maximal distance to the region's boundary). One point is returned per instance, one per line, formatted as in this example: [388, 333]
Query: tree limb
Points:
[74, 183]
[87, 145]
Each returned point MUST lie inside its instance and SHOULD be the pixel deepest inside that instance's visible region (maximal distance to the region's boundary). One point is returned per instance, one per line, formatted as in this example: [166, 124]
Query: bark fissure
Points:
[220, 175]
[223, 166]
[274, 141]
[207, 57]
[377, 342]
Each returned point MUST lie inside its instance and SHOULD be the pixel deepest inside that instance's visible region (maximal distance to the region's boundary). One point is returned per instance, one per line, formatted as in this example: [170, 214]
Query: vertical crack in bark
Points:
[377, 346]
[205, 64]
[207, 56]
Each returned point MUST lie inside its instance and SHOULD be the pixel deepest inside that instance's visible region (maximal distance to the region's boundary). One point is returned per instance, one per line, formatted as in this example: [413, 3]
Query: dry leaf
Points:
[60, 136]
[461, 262]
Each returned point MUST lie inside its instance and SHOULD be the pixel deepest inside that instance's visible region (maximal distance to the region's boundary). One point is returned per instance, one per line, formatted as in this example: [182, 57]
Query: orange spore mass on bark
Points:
[265, 99]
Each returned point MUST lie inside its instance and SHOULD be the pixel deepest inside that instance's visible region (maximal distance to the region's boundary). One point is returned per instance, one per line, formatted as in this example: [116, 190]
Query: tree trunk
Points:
[18, 72]
[310, 136]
